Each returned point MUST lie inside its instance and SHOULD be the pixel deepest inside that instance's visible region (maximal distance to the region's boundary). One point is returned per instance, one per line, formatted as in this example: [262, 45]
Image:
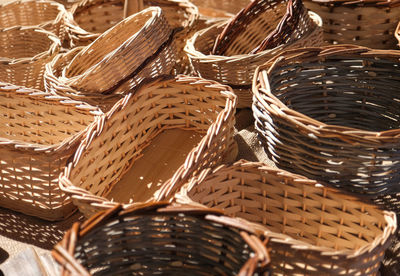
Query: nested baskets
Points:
[127, 134]
[39, 133]
[332, 114]
[24, 51]
[158, 238]
[236, 67]
[366, 23]
[312, 230]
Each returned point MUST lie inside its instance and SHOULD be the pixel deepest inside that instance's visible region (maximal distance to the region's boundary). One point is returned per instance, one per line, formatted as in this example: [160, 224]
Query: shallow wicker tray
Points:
[39, 132]
[237, 70]
[312, 230]
[362, 22]
[160, 238]
[24, 51]
[332, 114]
[114, 148]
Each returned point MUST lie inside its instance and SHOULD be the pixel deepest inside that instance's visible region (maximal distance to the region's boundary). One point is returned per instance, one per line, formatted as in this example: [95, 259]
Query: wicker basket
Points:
[369, 23]
[312, 230]
[158, 238]
[331, 114]
[232, 6]
[237, 70]
[114, 146]
[39, 133]
[45, 14]
[24, 51]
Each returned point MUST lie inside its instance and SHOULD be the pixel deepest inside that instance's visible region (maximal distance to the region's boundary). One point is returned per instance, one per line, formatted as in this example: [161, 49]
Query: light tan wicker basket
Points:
[24, 51]
[237, 70]
[39, 132]
[45, 14]
[312, 230]
[113, 148]
[369, 23]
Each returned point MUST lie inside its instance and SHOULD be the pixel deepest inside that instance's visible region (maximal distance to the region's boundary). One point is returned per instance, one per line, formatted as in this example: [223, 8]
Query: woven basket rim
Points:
[193, 53]
[314, 126]
[387, 233]
[359, 3]
[38, 95]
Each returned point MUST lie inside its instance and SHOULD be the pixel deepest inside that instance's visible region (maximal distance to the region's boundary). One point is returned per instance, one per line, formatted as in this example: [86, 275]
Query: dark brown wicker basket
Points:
[332, 114]
[158, 238]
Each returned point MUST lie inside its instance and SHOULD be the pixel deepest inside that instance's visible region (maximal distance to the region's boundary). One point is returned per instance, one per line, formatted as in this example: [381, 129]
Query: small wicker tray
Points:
[237, 70]
[39, 132]
[158, 238]
[369, 23]
[24, 51]
[312, 230]
[332, 114]
[112, 149]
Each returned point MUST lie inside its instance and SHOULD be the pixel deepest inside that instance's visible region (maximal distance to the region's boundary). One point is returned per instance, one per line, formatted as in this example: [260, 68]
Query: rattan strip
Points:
[111, 148]
[38, 134]
[237, 71]
[331, 114]
[313, 230]
[162, 238]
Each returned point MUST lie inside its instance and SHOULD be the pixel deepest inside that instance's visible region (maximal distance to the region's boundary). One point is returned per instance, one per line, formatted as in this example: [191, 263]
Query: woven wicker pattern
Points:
[38, 134]
[313, 230]
[332, 114]
[163, 239]
[237, 70]
[111, 148]
[366, 23]
[24, 51]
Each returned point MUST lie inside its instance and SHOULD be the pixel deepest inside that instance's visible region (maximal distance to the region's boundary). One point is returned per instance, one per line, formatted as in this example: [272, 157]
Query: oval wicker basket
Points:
[113, 147]
[45, 14]
[369, 23]
[312, 230]
[332, 114]
[39, 132]
[237, 70]
[24, 51]
[161, 238]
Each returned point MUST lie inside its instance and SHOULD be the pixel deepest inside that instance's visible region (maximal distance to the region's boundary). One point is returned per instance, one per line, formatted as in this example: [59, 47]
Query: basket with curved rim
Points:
[45, 14]
[366, 23]
[332, 114]
[123, 151]
[24, 51]
[161, 238]
[312, 230]
[237, 70]
[39, 133]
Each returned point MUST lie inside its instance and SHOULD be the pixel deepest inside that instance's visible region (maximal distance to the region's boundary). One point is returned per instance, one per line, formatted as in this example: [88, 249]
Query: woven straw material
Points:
[111, 148]
[332, 114]
[312, 230]
[232, 7]
[38, 134]
[48, 15]
[24, 51]
[366, 23]
[237, 70]
[158, 238]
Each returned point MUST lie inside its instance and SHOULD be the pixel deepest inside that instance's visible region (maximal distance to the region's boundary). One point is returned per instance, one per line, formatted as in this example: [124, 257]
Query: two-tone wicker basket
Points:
[39, 133]
[120, 140]
[312, 230]
[332, 114]
[363, 22]
[236, 67]
[161, 238]
[24, 52]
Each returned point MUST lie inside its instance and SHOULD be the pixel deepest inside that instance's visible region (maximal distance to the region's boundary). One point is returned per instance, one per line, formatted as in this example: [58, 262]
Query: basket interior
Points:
[168, 244]
[304, 212]
[39, 121]
[233, 6]
[344, 91]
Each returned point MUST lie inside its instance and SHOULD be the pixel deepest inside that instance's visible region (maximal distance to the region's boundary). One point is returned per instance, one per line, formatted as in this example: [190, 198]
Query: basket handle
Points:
[132, 6]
